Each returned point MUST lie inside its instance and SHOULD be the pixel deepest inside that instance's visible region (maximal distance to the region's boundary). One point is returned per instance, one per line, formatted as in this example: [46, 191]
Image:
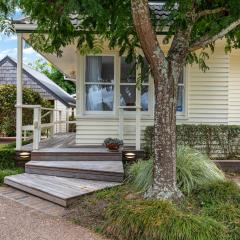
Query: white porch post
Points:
[80, 75]
[138, 128]
[121, 123]
[138, 113]
[19, 92]
[67, 119]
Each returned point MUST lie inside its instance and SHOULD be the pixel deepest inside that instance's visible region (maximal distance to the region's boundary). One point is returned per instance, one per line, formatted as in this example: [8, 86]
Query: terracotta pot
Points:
[113, 147]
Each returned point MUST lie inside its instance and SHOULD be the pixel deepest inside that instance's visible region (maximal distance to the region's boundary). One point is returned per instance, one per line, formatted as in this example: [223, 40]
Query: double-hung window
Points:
[128, 92]
[99, 83]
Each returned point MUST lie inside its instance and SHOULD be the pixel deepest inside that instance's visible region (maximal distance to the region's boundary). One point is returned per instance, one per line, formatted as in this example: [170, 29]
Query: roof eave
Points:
[24, 28]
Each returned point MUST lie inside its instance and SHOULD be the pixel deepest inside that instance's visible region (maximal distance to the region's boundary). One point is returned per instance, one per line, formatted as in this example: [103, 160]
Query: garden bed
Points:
[211, 212]
[7, 140]
[228, 165]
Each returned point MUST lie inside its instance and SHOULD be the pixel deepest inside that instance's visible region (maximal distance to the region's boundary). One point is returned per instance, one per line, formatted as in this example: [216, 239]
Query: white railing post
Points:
[138, 128]
[67, 119]
[121, 122]
[19, 92]
[36, 127]
[52, 121]
[60, 121]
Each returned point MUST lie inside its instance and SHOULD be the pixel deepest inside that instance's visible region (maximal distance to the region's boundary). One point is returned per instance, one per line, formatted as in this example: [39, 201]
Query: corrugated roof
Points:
[42, 80]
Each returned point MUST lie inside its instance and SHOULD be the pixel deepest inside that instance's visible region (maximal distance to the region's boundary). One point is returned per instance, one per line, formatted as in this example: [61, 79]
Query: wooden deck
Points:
[63, 191]
[62, 140]
[61, 171]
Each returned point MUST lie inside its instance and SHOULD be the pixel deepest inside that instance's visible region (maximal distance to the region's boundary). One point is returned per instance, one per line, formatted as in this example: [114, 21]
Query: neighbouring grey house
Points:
[36, 81]
[41, 84]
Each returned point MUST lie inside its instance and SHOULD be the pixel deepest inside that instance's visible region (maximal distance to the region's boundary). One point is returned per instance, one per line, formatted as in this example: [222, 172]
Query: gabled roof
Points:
[46, 83]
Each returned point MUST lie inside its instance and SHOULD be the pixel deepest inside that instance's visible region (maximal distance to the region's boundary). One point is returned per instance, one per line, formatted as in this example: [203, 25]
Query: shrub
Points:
[217, 141]
[7, 156]
[9, 172]
[193, 170]
[159, 220]
[7, 108]
[221, 201]
[216, 192]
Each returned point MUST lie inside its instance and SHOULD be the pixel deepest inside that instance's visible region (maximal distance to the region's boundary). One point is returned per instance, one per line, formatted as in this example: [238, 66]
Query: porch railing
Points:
[54, 126]
[122, 110]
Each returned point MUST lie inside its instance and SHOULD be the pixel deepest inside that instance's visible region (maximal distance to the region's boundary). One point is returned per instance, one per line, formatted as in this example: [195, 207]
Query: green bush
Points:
[8, 172]
[7, 156]
[217, 141]
[221, 201]
[8, 95]
[160, 220]
[193, 170]
[221, 191]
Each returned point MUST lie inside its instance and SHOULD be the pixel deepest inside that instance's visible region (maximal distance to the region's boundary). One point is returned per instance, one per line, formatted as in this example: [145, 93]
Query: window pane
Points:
[99, 97]
[144, 98]
[180, 80]
[180, 99]
[128, 95]
[128, 71]
[100, 69]
[145, 71]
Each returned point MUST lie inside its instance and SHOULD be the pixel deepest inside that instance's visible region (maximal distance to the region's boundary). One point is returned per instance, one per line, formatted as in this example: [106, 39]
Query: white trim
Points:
[107, 113]
[25, 27]
[19, 91]
[184, 114]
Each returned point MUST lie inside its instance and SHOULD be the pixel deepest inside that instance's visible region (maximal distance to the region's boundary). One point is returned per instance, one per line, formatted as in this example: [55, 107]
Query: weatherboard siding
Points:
[212, 97]
[234, 90]
[208, 94]
[93, 131]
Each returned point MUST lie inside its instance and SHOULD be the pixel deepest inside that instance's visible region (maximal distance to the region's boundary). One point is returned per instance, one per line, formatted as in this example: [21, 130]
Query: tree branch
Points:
[146, 33]
[206, 40]
[211, 11]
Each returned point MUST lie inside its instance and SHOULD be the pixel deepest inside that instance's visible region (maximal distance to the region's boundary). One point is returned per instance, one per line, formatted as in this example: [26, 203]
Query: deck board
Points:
[102, 166]
[57, 189]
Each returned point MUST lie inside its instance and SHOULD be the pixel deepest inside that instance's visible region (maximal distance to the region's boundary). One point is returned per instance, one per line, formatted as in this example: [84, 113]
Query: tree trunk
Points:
[165, 73]
[164, 172]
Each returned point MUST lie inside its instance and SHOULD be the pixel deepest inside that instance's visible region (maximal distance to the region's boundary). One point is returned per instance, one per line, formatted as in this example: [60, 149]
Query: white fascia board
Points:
[25, 27]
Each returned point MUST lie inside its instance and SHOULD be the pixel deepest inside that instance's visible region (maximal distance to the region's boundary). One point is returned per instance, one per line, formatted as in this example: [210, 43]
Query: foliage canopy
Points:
[7, 7]
[95, 20]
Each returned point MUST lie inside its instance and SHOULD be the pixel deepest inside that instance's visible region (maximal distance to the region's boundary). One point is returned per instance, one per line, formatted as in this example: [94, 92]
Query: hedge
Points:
[217, 141]
[8, 95]
[7, 156]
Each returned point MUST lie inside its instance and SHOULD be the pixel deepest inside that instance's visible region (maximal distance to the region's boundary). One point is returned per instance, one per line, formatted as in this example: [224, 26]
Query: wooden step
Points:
[63, 191]
[93, 170]
[75, 154]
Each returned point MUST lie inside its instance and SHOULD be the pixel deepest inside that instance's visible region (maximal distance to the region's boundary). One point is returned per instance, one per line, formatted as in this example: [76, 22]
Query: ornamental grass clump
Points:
[194, 169]
[159, 220]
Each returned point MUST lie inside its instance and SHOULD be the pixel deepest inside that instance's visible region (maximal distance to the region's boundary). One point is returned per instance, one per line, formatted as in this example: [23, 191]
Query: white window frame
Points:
[102, 113]
[138, 91]
[183, 114]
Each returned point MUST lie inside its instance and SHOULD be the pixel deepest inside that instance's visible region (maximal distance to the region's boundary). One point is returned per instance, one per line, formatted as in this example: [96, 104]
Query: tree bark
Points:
[164, 172]
[165, 73]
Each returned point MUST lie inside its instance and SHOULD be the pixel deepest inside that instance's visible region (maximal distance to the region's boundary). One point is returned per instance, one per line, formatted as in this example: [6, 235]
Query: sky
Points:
[8, 45]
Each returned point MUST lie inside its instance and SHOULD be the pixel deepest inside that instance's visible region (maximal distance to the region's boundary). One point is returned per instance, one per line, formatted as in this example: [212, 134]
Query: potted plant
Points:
[113, 144]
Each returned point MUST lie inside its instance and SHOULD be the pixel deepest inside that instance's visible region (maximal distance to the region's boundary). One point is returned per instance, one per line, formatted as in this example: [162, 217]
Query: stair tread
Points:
[60, 187]
[76, 150]
[96, 166]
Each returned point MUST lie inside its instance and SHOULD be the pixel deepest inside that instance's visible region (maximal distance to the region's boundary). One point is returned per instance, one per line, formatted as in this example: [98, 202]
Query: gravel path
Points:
[21, 223]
